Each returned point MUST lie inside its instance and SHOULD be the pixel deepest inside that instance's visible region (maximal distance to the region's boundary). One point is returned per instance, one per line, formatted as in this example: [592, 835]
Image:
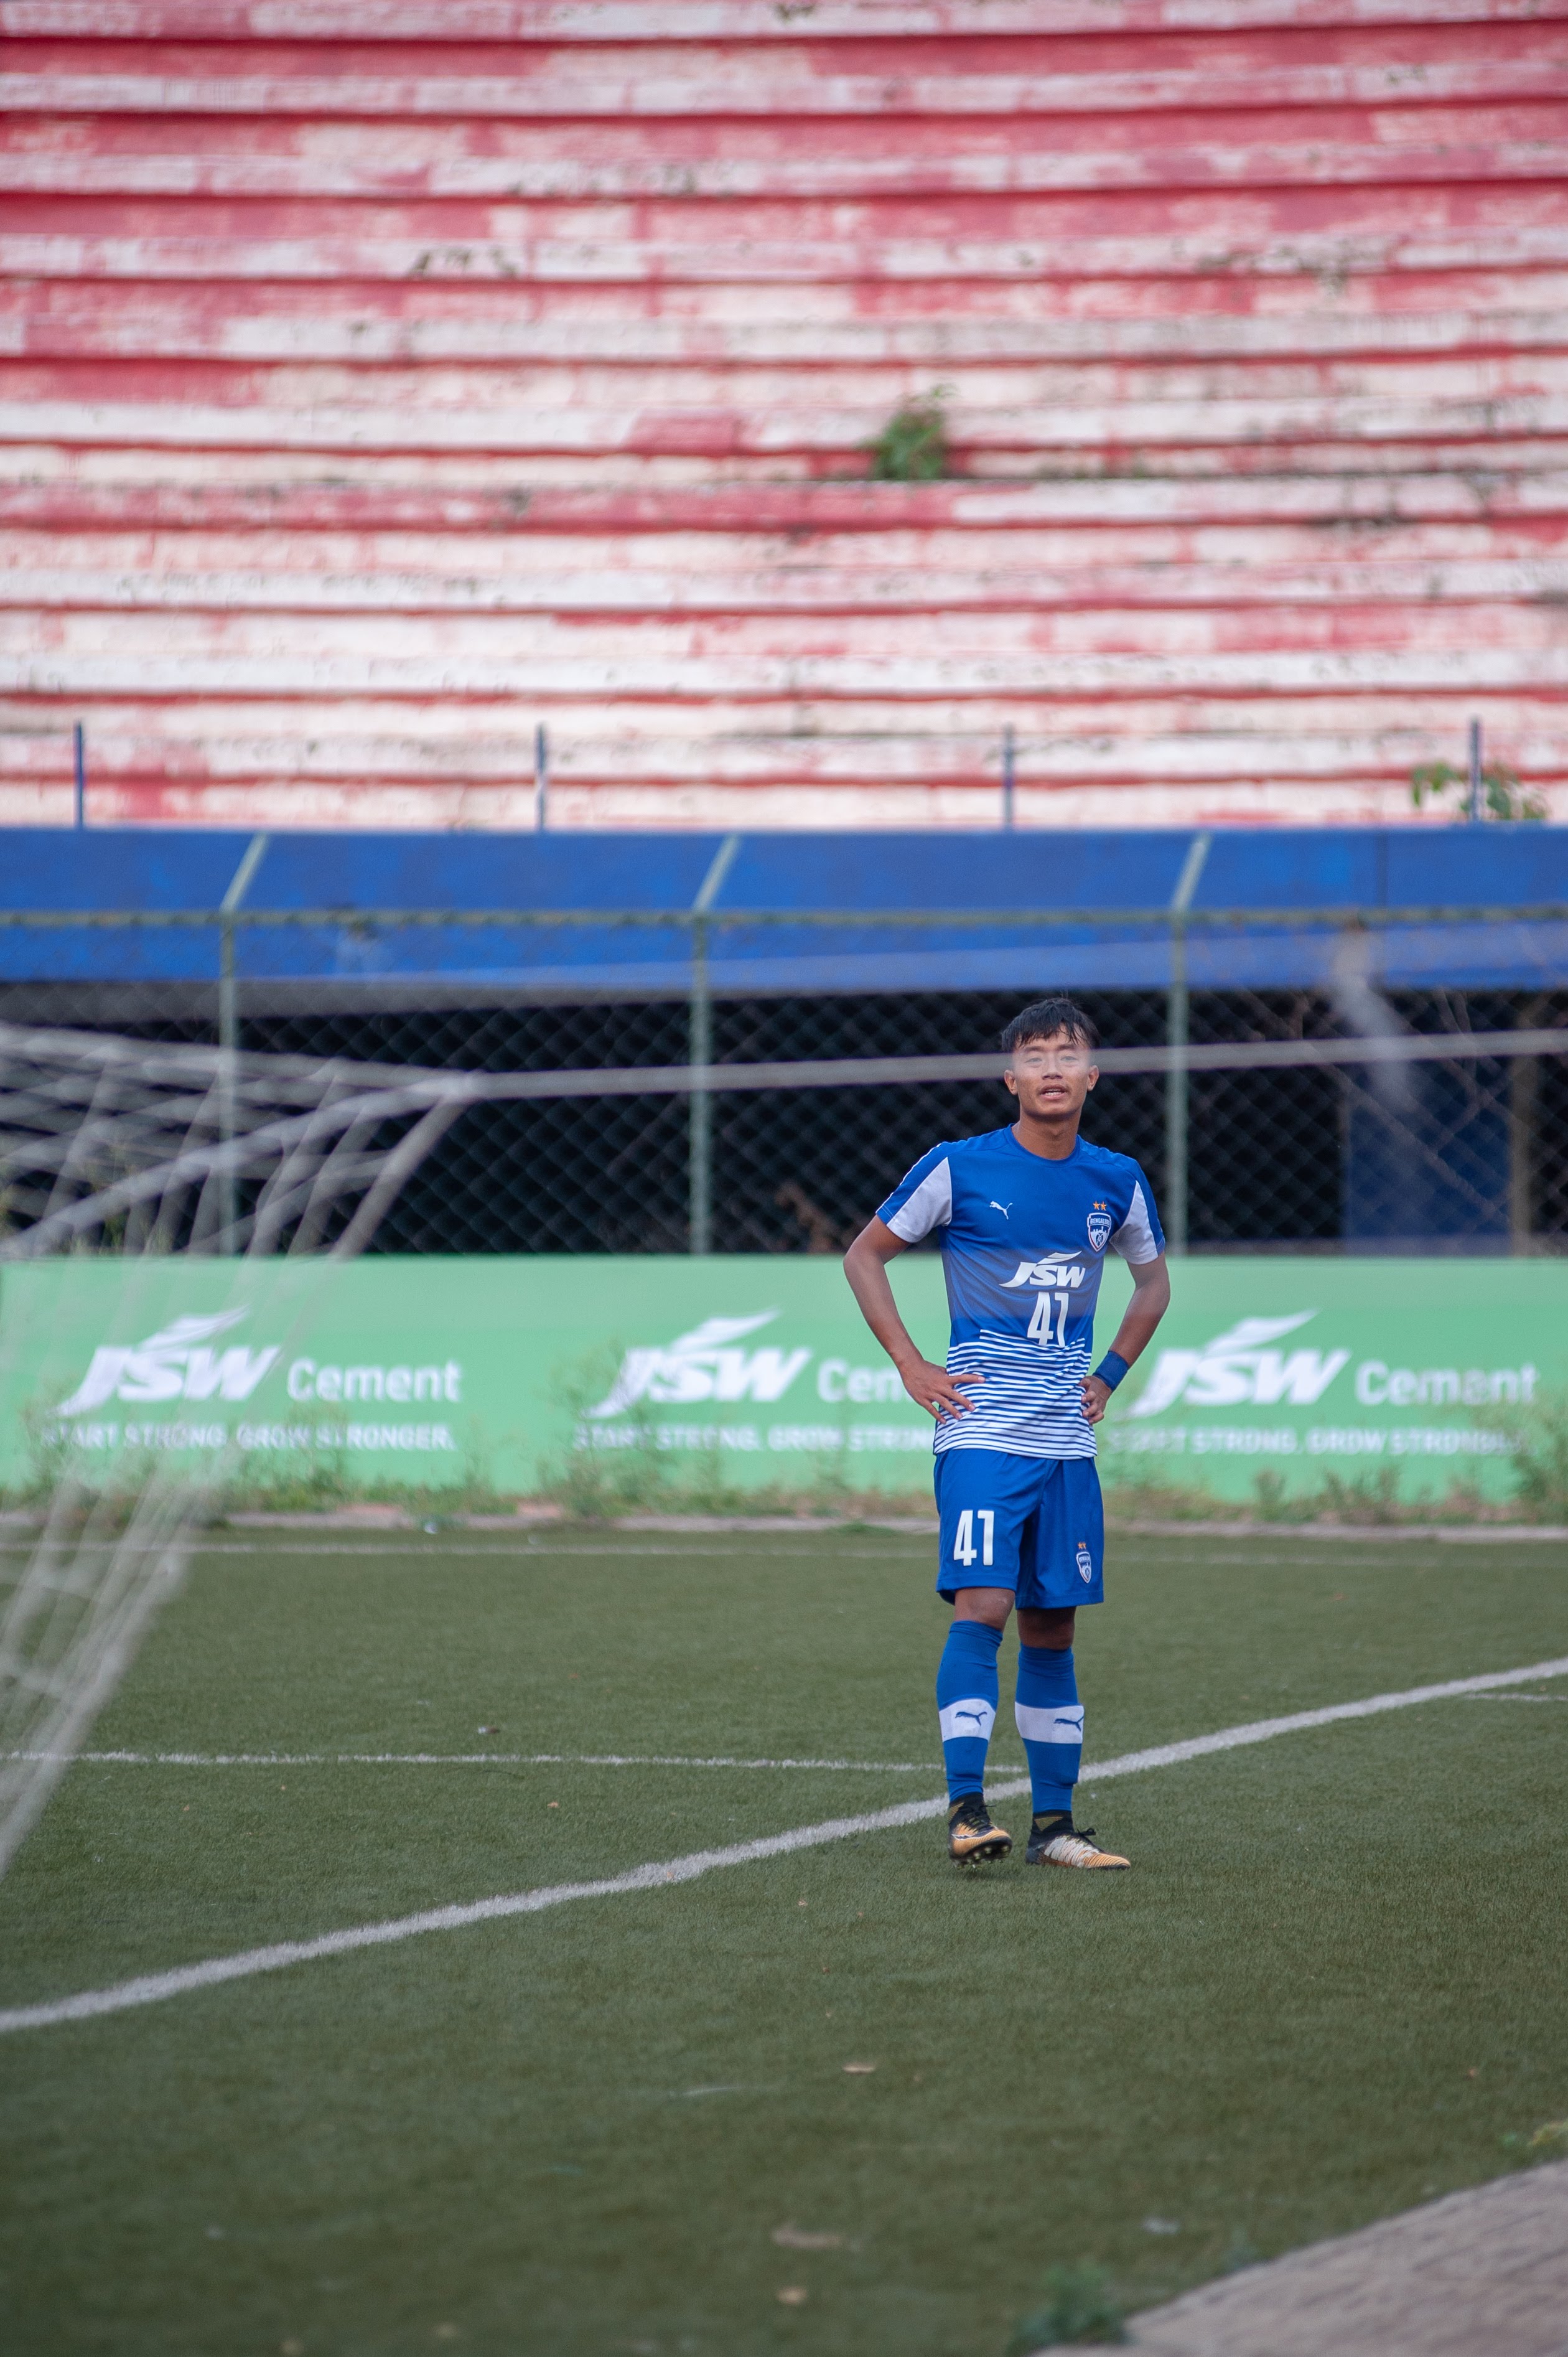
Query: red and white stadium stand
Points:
[380, 380]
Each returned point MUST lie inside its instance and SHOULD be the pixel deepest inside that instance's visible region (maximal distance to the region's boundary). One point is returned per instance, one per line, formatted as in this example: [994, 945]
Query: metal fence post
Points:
[1009, 778]
[541, 779]
[1524, 1077]
[700, 1055]
[229, 1029]
[700, 1142]
[1177, 1012]
[1477, 811]
[79, 752]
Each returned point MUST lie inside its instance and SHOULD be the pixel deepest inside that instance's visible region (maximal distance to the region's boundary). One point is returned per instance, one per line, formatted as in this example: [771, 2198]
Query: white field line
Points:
[153, 1988]
[381, 1556]
[462, 1759]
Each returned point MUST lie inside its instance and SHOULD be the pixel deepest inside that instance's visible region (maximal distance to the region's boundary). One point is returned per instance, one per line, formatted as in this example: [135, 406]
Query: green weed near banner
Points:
[621, 1376]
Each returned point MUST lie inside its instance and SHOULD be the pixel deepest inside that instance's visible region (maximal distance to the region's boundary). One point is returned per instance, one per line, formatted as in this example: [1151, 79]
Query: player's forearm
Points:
[1150, 1299]
[865, 1266]
[868, 1281]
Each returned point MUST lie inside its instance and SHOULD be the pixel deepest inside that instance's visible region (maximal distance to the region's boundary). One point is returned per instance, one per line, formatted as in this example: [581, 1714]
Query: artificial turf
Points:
[1330, 1987]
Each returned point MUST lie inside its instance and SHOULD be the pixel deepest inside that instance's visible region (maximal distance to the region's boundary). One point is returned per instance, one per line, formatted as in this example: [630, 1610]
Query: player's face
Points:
[1051, 1078]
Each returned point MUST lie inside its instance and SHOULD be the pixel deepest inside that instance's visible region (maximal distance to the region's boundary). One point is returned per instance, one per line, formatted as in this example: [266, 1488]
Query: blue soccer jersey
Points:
[1023, 1242]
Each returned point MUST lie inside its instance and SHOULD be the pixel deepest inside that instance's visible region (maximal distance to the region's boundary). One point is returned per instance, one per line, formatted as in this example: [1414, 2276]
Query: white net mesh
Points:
[140, 1156]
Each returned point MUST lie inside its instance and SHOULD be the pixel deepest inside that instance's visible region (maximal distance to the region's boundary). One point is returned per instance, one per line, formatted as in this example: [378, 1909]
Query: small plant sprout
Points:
[1549, 2142]
[1078, 2305]
[912, 447]
[1503, 796]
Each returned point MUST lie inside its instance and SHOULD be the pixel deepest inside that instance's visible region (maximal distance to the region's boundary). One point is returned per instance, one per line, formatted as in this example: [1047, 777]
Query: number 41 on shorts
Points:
[964, 1547]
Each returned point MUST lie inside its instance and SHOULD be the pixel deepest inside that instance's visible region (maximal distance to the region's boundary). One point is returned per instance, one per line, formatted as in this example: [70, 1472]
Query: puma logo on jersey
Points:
[1003, 1208]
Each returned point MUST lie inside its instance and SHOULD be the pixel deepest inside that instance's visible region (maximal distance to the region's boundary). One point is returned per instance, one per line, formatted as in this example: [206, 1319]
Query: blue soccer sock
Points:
[1051, 1724]
[967, 1689]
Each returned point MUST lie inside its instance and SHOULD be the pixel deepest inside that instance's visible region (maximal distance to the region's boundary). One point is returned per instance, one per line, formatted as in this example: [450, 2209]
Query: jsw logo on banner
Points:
[1237, 1366]
[173, 1364]
[703, 1365]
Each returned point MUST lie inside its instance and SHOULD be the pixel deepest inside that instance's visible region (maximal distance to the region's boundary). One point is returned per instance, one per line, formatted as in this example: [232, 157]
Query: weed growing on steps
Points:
[912, 447]
[1502, 794]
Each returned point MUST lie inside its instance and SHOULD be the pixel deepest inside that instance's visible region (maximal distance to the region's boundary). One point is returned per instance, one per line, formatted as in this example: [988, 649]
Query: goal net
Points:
[140, 1157]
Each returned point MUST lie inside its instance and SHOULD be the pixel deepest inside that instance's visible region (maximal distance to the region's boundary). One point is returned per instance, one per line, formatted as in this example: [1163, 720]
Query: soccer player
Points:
[1026, 1216]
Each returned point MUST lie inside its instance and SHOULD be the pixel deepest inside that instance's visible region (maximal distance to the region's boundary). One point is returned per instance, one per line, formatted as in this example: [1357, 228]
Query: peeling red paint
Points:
[376, 380]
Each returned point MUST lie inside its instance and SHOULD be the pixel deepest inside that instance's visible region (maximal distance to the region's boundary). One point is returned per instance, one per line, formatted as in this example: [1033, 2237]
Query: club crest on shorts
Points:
[1100, 1227]
[1085, 1562]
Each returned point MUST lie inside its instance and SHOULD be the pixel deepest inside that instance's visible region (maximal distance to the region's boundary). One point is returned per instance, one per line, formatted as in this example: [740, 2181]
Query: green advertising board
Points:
[500, 1371]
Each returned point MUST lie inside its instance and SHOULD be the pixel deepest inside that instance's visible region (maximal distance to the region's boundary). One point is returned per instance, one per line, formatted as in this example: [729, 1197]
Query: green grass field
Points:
[1331, 1987]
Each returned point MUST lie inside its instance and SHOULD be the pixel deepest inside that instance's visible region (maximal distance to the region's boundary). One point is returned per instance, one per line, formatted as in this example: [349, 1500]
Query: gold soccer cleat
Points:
[1059, 1843]
[972, 1836]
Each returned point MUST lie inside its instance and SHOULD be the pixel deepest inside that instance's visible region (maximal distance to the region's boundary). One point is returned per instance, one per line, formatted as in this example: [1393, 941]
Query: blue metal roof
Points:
[1078, 878]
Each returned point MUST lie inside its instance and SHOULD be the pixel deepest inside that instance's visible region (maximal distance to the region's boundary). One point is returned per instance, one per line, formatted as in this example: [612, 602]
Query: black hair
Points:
[1045, 1019]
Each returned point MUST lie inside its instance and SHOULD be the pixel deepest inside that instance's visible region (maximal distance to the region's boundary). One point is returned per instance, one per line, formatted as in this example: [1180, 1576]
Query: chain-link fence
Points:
[1467, 1152]
[1471, 1154]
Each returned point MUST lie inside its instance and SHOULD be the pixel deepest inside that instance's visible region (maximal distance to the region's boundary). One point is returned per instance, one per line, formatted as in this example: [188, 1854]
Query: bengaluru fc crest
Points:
[1100, 1230]
[1085, 1562]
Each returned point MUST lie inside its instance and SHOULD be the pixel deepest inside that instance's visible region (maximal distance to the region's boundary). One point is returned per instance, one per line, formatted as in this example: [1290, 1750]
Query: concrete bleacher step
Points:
[379, 383]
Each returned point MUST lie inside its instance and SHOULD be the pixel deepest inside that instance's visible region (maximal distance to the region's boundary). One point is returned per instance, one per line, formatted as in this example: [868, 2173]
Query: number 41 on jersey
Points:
[1040, 1323]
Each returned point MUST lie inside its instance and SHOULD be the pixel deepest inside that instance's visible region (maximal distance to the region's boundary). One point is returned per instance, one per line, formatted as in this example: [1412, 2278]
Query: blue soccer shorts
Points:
[1035, 1524]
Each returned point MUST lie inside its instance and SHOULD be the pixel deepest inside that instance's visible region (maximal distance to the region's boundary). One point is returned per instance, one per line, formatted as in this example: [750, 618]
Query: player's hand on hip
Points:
[1096, 1395]
[936, 1392]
